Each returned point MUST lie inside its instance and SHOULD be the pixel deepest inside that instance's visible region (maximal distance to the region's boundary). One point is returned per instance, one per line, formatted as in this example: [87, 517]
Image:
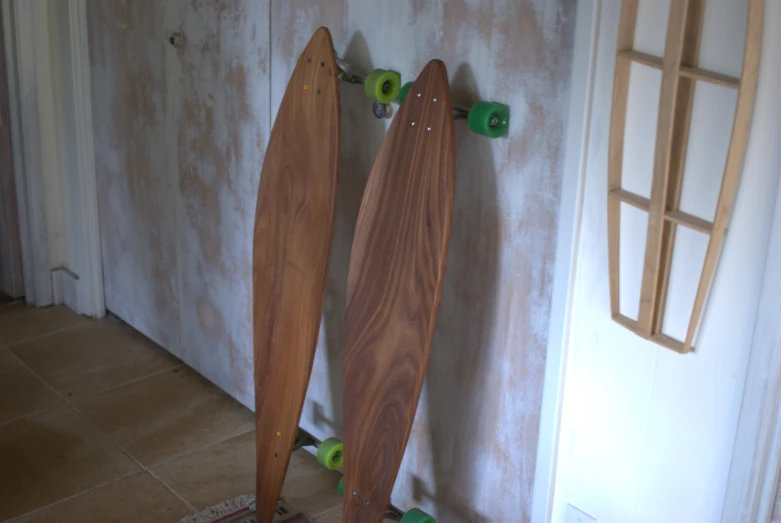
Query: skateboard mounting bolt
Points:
[412, 124]
[380, 110]
[419, 95]
[428, 129]
[368, 502]
[434, 100]
[355, 493]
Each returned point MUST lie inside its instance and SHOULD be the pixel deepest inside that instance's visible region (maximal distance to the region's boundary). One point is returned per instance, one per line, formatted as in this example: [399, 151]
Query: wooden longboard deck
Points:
[291, 249]
[394, 285]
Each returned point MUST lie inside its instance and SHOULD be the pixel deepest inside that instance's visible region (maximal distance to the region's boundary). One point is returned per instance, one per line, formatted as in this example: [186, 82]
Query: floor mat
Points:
[242, 510]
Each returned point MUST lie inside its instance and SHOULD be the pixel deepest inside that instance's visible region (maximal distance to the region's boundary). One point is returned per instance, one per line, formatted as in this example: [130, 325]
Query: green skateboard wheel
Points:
[417, 516]
[404, 90]
[340, 487]
[382, 86]
[489, 118]
[330, 454]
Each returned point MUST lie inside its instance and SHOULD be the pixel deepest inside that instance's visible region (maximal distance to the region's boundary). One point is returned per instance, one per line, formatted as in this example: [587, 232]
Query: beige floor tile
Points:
[333, 516]
[49, 456]
[309, 486]
[167, 415]
[212, 475]
[93, 357]
[21, 392]
[134, 499]
[22, 322]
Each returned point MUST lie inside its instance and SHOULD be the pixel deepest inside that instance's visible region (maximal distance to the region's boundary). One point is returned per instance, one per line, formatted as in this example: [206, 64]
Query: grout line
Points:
[44, 335]
[223, 440]
[107, 436]
[127, 453]
[172, 491]
[132, 458]
[333, 509]
[69, 402]
[29, 415]
[63, 500]
[29, 369]
[130, 382]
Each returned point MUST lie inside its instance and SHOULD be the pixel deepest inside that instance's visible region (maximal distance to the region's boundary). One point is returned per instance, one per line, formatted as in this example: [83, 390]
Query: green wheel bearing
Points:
[340, 487]
[382, 86]
[416, 515]
[330, 454]
[489, 118]
[404, 90]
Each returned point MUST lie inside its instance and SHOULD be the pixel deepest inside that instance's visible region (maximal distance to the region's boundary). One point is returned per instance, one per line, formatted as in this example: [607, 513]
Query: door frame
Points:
[570, 214]
[56, 196]
[756, 459]
[11, 280]
[755, 466]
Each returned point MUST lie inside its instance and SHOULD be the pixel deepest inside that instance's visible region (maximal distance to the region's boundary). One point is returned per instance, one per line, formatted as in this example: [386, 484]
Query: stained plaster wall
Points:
[180, 135]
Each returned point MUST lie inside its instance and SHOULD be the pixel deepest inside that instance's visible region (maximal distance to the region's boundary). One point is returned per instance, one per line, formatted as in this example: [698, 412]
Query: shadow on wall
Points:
[457, 387]
[362, 135]
[456, 377]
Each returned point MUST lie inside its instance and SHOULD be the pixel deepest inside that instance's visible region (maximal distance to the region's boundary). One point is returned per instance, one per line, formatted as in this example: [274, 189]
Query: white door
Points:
[648, 434]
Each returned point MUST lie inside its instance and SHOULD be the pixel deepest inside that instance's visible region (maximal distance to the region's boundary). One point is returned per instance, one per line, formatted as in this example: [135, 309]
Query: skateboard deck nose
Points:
[394, 286]
[291, 248]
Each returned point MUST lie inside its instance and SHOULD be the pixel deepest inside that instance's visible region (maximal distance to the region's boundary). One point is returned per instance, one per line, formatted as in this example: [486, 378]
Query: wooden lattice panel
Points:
[680, 73]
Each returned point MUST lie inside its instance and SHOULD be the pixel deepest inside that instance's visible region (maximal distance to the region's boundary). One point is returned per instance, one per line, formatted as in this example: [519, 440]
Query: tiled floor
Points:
[99, 424]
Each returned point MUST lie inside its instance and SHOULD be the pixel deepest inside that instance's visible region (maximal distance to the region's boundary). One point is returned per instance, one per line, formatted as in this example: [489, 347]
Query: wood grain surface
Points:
[291, 249]
[393, 290]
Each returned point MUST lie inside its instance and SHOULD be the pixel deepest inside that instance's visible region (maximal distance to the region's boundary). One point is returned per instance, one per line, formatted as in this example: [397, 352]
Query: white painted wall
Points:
[647, 434]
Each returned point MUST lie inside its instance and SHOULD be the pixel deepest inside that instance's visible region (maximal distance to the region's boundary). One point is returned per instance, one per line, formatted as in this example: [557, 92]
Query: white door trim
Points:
[756, 456]
[91, 299]
[22, 81]
[570, 214]
[56, 195]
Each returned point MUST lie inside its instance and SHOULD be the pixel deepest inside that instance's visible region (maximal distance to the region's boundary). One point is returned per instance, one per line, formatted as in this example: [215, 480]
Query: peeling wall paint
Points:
[180, 135]
[136, 195]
